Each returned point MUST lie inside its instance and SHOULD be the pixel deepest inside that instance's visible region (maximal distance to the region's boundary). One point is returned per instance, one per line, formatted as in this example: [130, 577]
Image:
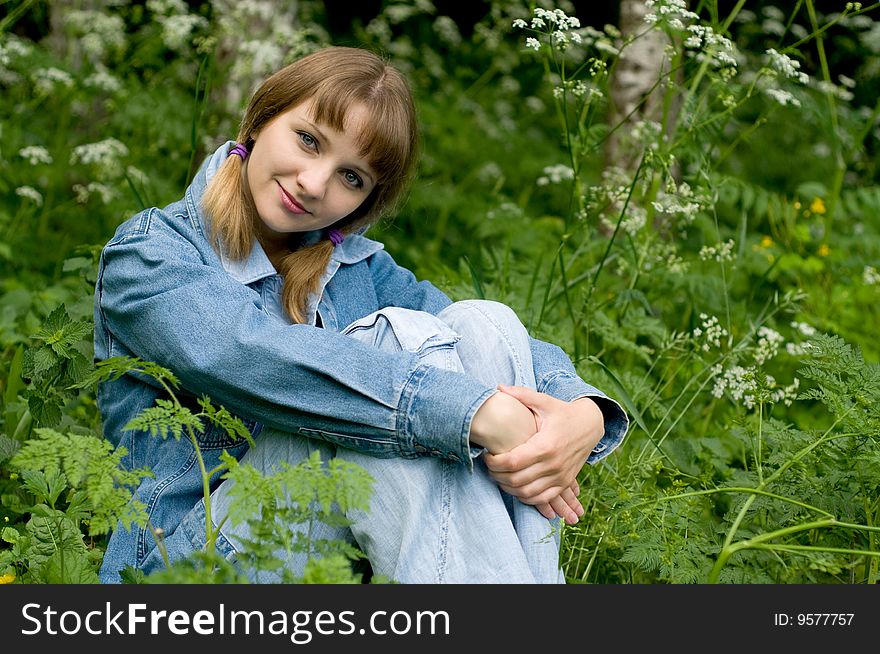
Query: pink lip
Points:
[290, 203]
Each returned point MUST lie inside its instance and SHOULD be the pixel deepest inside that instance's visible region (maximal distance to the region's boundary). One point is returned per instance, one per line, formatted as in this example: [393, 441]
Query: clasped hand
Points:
[537, 445]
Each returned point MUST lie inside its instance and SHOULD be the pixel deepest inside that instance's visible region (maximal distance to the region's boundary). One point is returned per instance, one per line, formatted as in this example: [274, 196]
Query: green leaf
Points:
[8, 447]
[69, 567]
[621, 393]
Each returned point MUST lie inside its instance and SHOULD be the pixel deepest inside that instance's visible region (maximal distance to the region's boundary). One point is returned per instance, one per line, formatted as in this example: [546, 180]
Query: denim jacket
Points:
[165, 295]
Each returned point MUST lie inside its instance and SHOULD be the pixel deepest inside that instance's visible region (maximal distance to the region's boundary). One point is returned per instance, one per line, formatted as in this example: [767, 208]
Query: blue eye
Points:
[353, 179]
[308, 140]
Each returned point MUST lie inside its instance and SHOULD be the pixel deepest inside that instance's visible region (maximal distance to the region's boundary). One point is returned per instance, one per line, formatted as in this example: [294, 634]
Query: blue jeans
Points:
[430, 520]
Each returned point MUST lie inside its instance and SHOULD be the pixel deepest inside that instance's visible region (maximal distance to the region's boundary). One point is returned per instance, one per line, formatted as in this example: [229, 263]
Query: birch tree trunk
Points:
[635, 93]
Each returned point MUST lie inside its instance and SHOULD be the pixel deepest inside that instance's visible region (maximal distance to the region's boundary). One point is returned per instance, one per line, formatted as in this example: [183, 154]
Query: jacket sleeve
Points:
[163, 302]
[554, 372]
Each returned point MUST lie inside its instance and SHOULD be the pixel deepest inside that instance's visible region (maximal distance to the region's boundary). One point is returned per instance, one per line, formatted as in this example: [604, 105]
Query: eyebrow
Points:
[323, 137]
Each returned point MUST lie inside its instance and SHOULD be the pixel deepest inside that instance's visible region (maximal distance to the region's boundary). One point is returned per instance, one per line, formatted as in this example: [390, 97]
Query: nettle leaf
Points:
[165, 418]
[37, 362]
[45, 407]
[77, 367]
[8, 447]
[61, 333]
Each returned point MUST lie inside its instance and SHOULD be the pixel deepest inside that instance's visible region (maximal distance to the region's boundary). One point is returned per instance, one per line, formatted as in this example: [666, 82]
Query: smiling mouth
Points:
[290, 202]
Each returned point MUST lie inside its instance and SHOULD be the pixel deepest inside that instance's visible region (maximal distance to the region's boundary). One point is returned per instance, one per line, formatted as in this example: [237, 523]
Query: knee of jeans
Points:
[396, 328]
[471, 317]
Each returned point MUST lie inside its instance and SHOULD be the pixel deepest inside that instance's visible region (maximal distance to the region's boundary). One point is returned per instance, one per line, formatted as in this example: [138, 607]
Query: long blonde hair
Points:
[334, 79]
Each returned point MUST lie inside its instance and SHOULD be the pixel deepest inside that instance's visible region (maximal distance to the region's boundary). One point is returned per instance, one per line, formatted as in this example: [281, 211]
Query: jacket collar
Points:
[354, 248]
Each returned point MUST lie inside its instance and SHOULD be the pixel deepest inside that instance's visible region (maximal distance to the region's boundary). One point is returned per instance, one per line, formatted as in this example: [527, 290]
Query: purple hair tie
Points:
[336, 236]
[240, 150]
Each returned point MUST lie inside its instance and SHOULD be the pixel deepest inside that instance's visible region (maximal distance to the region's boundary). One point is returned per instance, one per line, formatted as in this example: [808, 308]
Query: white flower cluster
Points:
[719, 47]
[787, 66]
[178, 25]
[712, 330]
[672, 12]
[555, 174]
[30, 193]
[870, 276]
[786, 394]
[797, 349]
[104, 155]
[47, 80]
[783, 97]
[804, 328]
[35, 154]
[830, 88]
[769, 341]
[12, 47]
[720, 251]
[98, 31]
[738, 381]
[83, 193]
[681, 201]
[102, 80]
[578, 89]
[447, 30]
[556, 23]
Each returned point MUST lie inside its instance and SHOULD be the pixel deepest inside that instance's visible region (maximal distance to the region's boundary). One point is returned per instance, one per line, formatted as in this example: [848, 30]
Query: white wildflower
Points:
[35, 154]
[555, 174]
[783, 97]
[712, 330]
[533, 43]
[870, 276]
[769, 341]
[787, 66]
[104, 155]
[447, 30]
[519, 23]
[719, 252]
[47, 80]
[103, 81]
[30, 193]
[804, 328]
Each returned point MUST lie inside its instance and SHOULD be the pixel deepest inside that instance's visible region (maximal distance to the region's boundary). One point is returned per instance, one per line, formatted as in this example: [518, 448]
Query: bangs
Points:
[386, 139]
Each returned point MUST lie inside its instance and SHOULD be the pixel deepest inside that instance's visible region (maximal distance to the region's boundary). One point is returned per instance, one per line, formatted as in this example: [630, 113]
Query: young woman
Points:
[259, 289]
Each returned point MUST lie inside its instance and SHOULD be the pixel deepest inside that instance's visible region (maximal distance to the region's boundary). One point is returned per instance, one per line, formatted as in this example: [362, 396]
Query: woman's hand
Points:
[502, 423]
[543, 470]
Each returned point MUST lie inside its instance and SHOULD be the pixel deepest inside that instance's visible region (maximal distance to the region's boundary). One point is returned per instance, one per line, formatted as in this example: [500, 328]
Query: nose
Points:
[313, 180]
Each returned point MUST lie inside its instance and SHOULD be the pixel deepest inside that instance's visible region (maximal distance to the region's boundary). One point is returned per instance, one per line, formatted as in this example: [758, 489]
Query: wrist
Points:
[502, 423]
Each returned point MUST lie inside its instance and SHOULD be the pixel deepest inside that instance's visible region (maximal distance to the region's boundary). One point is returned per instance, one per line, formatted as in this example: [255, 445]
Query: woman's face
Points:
[303, 175]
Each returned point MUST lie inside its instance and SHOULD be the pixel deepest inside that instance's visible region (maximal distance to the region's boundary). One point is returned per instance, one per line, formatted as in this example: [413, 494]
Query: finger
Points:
[518, 458]
[546, 511]
[535, 500]
[563, 510]
[572, 501]
[521, 477]
[531, 398]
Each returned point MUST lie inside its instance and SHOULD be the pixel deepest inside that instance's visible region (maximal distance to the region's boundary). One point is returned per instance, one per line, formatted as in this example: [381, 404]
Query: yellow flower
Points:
[823, 250]
[797, 205]
[8, 578]
[817, 205]
[766, 242]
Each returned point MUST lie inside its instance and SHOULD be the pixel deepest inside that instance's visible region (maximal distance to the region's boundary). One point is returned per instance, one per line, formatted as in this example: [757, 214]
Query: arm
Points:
[159, 297]
[554, 373]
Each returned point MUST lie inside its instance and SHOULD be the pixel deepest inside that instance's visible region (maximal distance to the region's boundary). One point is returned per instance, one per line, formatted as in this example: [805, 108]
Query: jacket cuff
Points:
[433, 421]
[571, 387]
